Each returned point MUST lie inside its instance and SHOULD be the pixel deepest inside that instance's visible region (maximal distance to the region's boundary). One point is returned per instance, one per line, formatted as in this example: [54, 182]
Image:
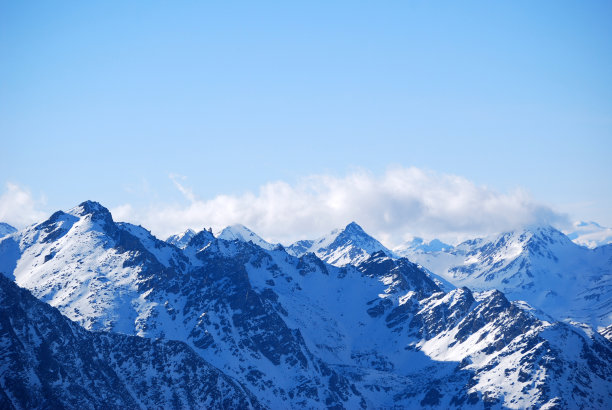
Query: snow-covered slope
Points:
[6, 229]
[539, 265]
[180, 240]
[47, 361]
[118, 277]
[341, 247]
[377, 332]
[590, 234]
[242, 233]
[93, 270]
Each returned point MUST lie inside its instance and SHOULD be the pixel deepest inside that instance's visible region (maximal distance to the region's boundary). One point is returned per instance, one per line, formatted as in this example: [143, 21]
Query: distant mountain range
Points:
[590, 234]
[114, 317]
[539, 265]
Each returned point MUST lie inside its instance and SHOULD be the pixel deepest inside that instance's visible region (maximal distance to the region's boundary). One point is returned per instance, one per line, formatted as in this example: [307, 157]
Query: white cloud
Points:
[187, 192]
[18, 207]
[402, 203]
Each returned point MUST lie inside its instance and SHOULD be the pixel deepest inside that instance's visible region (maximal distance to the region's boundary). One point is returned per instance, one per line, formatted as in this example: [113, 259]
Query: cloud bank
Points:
[394, 207]
[18, 207]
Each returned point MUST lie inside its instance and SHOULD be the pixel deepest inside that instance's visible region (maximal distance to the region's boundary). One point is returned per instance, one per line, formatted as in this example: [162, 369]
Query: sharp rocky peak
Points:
[97, 213]
[201, 239]
[352, 231]
[88, 207]
[93, 209]
[181, 240]
[354, 228]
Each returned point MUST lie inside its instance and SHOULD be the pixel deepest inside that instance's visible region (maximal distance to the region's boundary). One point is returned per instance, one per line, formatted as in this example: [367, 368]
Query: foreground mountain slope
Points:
[48, 361]
[539, 265]
[386, 324]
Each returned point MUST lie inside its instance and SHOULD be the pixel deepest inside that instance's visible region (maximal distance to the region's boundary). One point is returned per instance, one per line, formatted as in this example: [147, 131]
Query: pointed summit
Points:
[199, 241]
[341, 247]
[241, 233]
[97, 213]
[88, 208]
[180, 240]
[354, 227]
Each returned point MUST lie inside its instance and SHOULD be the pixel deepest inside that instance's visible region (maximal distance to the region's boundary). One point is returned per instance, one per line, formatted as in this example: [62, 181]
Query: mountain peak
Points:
[341, 247]
[89, 208]
[542, 234]
[97, 213]
[353, 232]
[354, 227]
[238, 232]
[181, 240]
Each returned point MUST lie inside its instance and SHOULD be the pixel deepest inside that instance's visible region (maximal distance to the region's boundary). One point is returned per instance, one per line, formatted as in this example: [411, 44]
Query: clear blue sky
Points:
[103, 100]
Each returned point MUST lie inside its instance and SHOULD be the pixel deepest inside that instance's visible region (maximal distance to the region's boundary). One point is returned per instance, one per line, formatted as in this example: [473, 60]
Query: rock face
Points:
[298, 332]
[47, 361]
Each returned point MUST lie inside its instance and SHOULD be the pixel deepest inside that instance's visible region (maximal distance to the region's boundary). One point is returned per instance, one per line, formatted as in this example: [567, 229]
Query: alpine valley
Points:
[102, 314]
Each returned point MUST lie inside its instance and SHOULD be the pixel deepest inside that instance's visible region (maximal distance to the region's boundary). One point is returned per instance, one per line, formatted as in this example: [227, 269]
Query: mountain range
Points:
[539, 265]
[336, 322]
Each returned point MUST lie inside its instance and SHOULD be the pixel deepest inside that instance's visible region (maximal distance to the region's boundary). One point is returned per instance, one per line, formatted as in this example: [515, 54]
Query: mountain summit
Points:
[239, 232]
[180, 240]
[341, 247]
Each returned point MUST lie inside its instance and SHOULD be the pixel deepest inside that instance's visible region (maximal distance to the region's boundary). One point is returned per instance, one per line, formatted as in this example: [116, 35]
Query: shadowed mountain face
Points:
[375, 332]
[50, 362]
[6, 229]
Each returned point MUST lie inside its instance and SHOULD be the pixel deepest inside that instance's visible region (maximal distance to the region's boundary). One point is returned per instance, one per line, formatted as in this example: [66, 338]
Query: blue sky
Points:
[106, 100]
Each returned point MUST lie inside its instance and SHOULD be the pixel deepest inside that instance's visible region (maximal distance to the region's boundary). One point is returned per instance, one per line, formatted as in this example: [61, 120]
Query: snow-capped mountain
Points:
[298, 331]
[590, 234]
[118, 277]
[242, 233]
[341, 247]
[6, 229]
[47, 361]
[180, 240]
[538, 264]
[91, 268]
